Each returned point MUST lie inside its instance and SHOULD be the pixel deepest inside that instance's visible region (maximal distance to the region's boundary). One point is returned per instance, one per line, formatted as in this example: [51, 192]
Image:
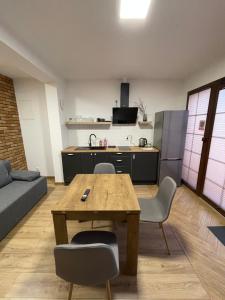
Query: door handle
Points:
[119, 171]
[172, 158]
[119, 160]
[70, 154]
[133, 156]
[119, 153]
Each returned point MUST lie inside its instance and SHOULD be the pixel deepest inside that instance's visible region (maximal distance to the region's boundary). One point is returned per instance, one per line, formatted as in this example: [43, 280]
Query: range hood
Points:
[124, 114]
[124, 94]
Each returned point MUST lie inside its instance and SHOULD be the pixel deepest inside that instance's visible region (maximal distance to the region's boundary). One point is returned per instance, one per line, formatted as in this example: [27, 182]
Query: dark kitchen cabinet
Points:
[87, 163]
[100, 157]
[144, 167]
[89, 160]
[121, 162]
[71, 166]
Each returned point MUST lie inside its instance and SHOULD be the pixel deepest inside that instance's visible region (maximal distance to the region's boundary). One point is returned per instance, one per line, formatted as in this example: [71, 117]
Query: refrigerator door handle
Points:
[172, 158]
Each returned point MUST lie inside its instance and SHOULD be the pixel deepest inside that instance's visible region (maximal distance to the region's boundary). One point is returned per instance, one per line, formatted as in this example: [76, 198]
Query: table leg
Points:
[61, 235]
[132, 244]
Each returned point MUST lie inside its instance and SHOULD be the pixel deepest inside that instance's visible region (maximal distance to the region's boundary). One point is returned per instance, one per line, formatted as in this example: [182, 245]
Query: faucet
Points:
[89, 140]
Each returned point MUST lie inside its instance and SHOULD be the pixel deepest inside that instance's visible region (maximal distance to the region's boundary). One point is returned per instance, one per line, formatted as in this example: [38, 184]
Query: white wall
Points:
[95, 98]
[208, 74]
[31, 101]
[53, 108]
[61, 99]
[43, 109]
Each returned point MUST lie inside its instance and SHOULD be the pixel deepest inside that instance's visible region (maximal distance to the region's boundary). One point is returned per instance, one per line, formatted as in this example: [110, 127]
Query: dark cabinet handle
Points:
[119, 160]
[119, 153]
[119, 171]
[133, 156]
[70, 154]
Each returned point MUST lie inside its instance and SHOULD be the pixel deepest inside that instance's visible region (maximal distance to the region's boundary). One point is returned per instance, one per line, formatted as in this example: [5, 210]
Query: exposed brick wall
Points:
[11, 142]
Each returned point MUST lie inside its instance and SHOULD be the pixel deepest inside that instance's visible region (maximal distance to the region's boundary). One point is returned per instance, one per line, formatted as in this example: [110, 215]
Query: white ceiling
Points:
[9, 64]
[84, 39]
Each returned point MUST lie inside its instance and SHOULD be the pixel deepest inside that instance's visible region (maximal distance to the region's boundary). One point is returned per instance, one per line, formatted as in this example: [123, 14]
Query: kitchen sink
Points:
[91, 148]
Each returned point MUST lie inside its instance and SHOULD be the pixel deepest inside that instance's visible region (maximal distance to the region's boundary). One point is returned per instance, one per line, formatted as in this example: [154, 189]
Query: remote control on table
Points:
[85, 195]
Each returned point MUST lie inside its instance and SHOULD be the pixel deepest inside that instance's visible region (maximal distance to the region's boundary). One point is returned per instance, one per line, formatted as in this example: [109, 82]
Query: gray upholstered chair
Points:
[91, 258]
[157, 209]
[104, 168]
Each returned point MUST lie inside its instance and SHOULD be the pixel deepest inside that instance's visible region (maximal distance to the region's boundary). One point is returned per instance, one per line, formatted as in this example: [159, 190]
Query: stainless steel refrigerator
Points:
[169, 137]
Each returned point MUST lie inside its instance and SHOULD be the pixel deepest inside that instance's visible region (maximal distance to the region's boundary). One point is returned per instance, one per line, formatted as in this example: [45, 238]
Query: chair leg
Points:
[164, 235]
[70, 291]
[108, 289]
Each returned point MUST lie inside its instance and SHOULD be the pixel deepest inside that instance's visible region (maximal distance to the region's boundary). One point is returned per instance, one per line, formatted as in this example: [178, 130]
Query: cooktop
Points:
[124, 148]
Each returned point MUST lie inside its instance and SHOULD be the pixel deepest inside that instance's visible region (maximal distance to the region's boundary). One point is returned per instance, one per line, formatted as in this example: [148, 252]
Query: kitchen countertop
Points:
[74, 149]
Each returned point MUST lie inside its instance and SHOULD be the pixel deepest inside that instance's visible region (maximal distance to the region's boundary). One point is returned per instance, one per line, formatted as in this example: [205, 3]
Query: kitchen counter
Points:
[140, 163]
[75, 149]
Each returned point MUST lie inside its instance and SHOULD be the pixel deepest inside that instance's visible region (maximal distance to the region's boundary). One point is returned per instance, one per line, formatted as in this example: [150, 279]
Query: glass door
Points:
[198, 105]
[214, 184]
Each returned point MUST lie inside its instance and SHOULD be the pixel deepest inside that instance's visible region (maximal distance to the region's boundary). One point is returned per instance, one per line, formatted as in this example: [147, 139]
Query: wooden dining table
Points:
[111, 197]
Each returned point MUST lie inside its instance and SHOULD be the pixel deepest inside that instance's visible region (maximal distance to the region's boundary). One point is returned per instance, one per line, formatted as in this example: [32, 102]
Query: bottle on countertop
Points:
[105, 142]
[100, 143]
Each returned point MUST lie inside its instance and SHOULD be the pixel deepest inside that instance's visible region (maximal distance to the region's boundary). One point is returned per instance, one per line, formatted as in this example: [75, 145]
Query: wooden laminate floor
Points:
[195, 270]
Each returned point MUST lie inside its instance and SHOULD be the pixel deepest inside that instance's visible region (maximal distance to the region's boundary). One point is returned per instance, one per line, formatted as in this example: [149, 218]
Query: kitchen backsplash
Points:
[116, 135]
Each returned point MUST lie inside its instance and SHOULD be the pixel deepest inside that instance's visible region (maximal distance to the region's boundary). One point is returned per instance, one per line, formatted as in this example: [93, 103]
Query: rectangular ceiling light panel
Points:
[134, 9]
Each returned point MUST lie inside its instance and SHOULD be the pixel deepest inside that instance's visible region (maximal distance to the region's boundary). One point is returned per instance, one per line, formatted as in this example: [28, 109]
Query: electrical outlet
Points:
[129, 138]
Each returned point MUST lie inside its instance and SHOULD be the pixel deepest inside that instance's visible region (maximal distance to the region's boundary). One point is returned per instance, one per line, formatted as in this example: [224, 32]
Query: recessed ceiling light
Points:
[134, 9]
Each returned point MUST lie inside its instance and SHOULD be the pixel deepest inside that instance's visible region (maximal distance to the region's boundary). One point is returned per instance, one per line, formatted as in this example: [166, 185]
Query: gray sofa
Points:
[19, 192]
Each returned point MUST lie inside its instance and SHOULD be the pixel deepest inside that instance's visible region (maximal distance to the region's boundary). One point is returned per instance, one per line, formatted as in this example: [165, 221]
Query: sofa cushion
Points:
[24, 175]
[16, 199]
[5, 178]
[14, 191]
